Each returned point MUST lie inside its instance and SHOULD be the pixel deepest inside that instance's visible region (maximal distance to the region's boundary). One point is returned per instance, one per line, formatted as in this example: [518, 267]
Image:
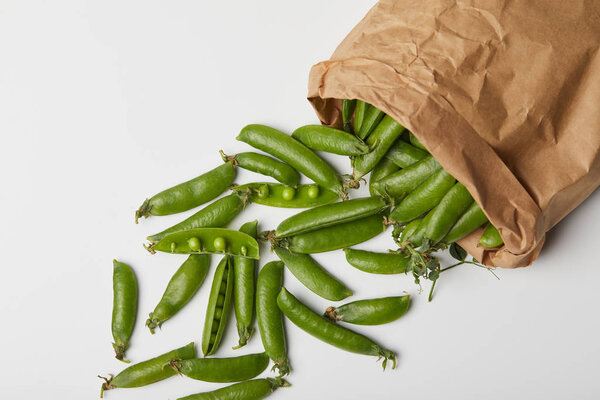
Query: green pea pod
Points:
[327, 331]
[451, 207]
[416, 239]
[491, 237]
[330, 214]
[371, 311]
[215, 215]
[471, 220]
[382, 138]
[425, 196]
[190, 194]
[219, 303]
[404, 154]
[278, 195]
[347, 111]
[181, 288]
[415, 142]
[208, 241]
[384, 168]
[222, 370]
[377, 263]
[313, 275]
[244, 271]
[330, 140]
[255, 389]
[408, 179]
[410, 229]
[264, 165]
[335, 237]
[270, 320]
[359, 115]
[292, 152]
[149, 371]
[372, 118]
[125, 296]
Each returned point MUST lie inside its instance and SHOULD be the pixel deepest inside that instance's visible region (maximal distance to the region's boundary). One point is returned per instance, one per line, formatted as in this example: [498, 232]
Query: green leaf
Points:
[434, 275]
[458, 252]
[432, 264]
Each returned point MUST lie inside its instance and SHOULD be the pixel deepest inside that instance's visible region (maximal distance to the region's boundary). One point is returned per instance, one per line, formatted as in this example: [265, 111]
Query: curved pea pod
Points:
[384, 168]
[371, 311]
[190, 194]
[330, 140]
[327, 331]
[404, 154]
[219, 303]
[222, 370]
[181, 288]
[330, 214]
[410, 229]
[408, 179]
[471, 220]
[278, 195]
[313, 275]
[491, 237]
[270, 320]
[149, 371]
[292, 152]
[415, 142]
[255, 389]
[347, 111]
[215, 215]
[377, 263]
[425, 196]
[244, 271]
[371, 119]
[382, 138]
[208, 241]
[125, 296]
[335, 237]
[264, 165]
[451, 207]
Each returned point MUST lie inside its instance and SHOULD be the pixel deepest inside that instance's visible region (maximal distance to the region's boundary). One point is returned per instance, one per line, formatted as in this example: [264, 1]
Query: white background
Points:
[103, 103]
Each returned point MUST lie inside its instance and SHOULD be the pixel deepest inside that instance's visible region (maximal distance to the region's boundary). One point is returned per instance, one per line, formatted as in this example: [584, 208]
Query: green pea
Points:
[263, 192]
[218, 312]
[125, 296]
[230, 369]
[300, 199]
[371, 311]
[377, 263]
[313, 192]
[194, 243]
[220, 300]
[216, 315]
[220, 243]
[254, 389]
[244, 272]
[288, 193]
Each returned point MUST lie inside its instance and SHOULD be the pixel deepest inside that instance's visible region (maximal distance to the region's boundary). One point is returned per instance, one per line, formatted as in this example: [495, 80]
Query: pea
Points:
[377, 263]
[244, 273]
[218, 312]
[303, 196]
[125, 296]
[222, 370]
[220, 300]
[220, 243]
[288, 193]
[330, 140]
[263, 192]
[255, 389]
[313, 192]
[216, 315]
[265, 165]
[194, 243]
[371, 311]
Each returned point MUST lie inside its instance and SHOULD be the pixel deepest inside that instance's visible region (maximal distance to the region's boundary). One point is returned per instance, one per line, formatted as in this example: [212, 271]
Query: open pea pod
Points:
[278, 195]
[208, 241]
[219, 304]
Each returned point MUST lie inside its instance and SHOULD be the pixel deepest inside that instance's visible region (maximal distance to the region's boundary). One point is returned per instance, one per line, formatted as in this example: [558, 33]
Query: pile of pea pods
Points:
[426, 207]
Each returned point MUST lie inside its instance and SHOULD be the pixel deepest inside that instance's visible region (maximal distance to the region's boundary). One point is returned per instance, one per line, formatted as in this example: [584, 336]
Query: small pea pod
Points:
[244, 271]
[410, 229]
[404, 154]
[270, 320]
[371, 311]
[408, 179]
[471, 220]
[451, 207]
[359, 114]
[264, 165]
[190, 194]
[125, 296]
[415, 142]
[384, 168]
[278, 195]
[330, 140]
[215, 215]
[330, 214]
[222, 370]
[219, 303]
[491, 237]
[347, 111]
[181, 288]
[313, 275]
[377, 263]
[208, 241]
[149, 371]
[294, 153]
[327, 331]
[255, 389]
[382, 138]
[372, 118]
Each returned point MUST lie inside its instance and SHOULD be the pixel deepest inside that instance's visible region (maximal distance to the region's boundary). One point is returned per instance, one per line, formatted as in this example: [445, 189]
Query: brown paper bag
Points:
[505, 95]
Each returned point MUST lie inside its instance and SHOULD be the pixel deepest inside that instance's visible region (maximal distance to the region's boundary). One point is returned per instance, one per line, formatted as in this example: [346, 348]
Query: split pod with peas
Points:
[371, 311]
[264, 165]
[219, 303]
[278, 195]
[125, 294]
[255, 389]
[222, 370]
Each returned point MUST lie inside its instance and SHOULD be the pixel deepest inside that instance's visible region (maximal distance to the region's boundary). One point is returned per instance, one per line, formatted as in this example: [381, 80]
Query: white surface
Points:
[103, 103]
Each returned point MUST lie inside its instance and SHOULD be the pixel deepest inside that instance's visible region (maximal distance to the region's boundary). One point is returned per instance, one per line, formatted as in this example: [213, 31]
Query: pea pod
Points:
[371, 119]
[330, 140]
[244, 271]
[384, 168]
[330, 214]
[377, 263]
[292, 152]
[451, 207]
[471, 219]
[330, 333]
[125, 296]
[382, 138]
[404, 154]
[181, 288]
[359, 114]
[425, 196]
[415, 142]
[347, 111]
[219, 303]
[371, 311]
[190, 194]
[416, 239]
[222, 370]
[313, 275]
[208, 241]
[491, 237]
[215, 215]
[277, 195]
[264, 165]
[270, 320]
[255, 389]
[149, 371]
[408, 179]
[410, 229]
